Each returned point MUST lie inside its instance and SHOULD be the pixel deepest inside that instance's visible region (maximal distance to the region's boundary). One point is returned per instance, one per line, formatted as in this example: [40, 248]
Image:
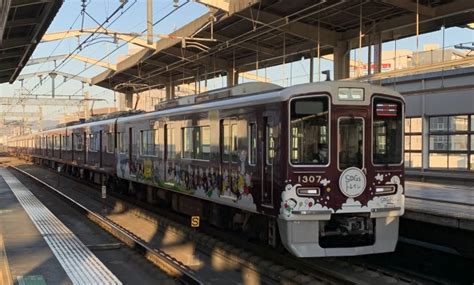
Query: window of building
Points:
[438, 124]
[413, 142]
[197, 142]
[252, 130]
[458, 123]
[451, 145]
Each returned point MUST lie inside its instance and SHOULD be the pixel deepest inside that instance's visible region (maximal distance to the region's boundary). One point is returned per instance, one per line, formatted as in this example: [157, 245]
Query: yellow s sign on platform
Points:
[195, 221]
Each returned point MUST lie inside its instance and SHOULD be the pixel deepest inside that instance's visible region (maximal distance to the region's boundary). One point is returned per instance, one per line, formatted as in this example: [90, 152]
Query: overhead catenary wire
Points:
[123, 44]
[276, 24]
[23, 88]
[80, 45]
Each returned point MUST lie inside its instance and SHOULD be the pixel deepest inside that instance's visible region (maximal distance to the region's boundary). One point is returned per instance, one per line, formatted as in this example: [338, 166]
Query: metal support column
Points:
[149, 21]
[169, 89]
[232, 77]
[378, 52]
[341, 60]
[53, 85]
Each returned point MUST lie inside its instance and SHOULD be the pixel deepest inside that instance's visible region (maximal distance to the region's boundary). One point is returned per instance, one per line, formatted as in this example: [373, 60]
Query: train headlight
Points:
[385, 189]
[350, 94]
[308, 191]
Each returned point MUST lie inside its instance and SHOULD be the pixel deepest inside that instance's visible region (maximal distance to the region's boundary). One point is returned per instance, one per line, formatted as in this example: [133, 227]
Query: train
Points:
[316, 167]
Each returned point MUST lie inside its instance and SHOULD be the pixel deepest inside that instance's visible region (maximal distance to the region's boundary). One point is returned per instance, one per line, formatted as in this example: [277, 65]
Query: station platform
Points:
[440, 204]
[36, 247]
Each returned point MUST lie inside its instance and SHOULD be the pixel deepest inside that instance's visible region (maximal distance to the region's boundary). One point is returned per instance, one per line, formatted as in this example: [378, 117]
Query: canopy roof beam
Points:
[229, 6]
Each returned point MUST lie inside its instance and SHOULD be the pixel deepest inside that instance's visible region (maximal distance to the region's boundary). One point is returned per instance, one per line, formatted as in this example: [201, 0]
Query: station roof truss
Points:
[22, 25]
[270, 32]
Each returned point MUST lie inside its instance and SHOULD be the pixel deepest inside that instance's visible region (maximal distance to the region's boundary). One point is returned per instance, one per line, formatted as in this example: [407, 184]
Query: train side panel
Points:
[231, 156]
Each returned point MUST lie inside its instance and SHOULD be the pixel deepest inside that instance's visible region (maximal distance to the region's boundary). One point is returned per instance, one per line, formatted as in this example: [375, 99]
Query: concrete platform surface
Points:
[441, 204]
[37, 247]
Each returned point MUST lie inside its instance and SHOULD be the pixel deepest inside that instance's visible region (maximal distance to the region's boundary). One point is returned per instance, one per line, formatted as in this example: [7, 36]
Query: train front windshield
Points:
[387, 132]
[309, 126]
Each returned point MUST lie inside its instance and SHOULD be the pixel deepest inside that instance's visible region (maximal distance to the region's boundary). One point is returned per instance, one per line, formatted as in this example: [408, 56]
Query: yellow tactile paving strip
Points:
[5, 274]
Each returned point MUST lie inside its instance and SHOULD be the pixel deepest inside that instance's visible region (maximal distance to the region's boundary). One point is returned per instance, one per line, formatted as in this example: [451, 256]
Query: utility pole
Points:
[40, 118]
[53, 86]
[149, 21]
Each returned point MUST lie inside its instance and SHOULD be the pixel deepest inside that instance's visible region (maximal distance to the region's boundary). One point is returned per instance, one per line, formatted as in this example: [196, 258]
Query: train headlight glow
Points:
[304, 191]
[351, 94]
[385, 189]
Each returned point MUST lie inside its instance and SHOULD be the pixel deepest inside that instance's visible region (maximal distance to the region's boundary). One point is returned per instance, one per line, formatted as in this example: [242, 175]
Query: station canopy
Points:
[248, 35]
[22, 25]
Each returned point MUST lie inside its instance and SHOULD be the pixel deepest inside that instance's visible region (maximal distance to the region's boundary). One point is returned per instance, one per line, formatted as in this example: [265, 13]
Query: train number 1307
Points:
[308, 178]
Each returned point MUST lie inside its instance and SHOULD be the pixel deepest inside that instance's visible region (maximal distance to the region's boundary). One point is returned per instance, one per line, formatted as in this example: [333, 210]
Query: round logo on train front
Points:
[352, 182]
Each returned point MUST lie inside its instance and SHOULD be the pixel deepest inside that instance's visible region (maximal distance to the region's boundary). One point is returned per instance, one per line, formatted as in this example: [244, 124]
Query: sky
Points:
[132, 18]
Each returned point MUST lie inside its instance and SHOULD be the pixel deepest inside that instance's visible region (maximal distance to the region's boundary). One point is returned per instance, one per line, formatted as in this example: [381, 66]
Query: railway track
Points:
[168, 264]
[291, 271]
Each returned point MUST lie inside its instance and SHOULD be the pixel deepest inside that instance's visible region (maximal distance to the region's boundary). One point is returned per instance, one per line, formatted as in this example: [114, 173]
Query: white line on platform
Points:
[80, 264]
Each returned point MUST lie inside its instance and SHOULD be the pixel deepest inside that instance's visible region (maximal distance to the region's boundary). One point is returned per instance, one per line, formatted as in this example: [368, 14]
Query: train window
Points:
[309, 136]
[387, 131]
[351, 142]
[49, 141]
[230, 142]
[94, 142]
[170, 144]
[252, 143]
[196, 142]
[110, 143]
[79, 142]
[122, 144]
[148, 142]
[66, 143]
[56, 142]
[270, 140]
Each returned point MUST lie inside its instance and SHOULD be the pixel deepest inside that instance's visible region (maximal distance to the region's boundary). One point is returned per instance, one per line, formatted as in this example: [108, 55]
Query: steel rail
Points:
[165, 262]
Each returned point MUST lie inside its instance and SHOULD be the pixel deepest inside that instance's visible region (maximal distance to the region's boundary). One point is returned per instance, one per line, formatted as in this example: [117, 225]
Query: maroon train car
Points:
[317, 166]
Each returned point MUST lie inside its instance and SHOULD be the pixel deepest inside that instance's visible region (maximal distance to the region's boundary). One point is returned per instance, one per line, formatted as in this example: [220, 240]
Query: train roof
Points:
[267, 97]
[267, 94]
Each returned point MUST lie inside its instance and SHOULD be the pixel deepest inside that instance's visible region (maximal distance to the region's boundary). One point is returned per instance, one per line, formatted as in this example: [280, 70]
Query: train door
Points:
[268, 154]
[84, 147]
[52, 145]
[101, 149]
[351, 139]
[130, 143]
[73, 144]
[229, 160]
